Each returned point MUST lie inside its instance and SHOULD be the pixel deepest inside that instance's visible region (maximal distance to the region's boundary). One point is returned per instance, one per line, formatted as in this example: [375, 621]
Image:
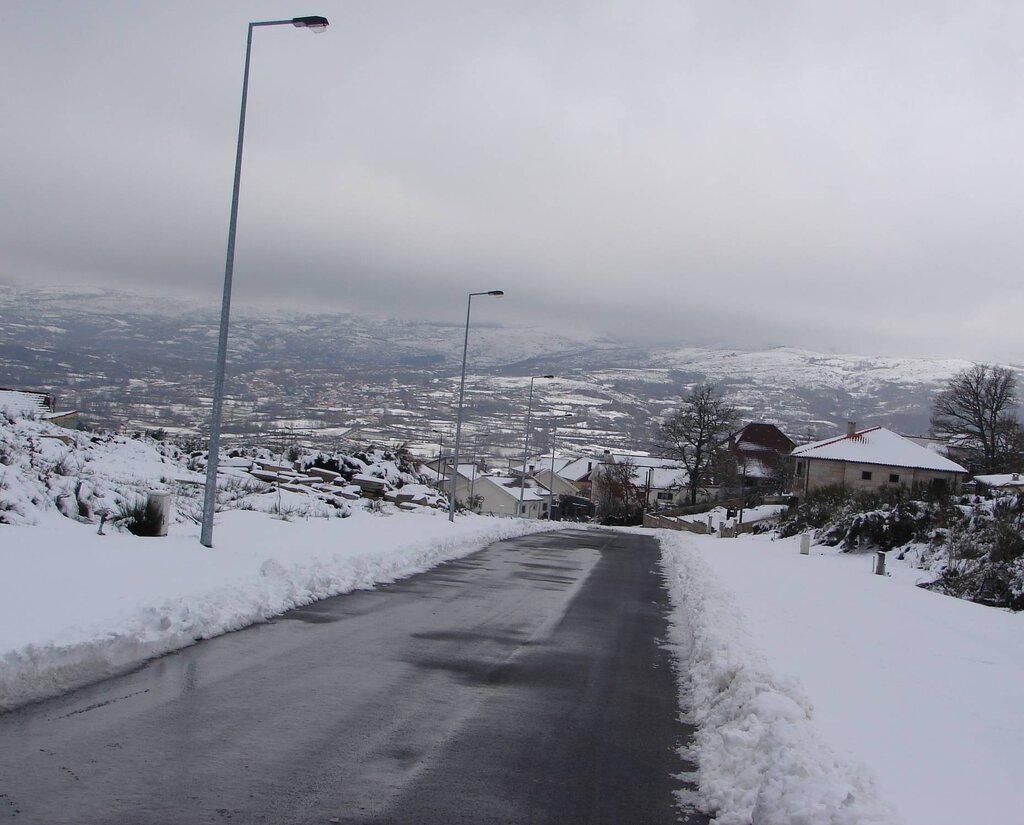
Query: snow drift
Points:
[761, 759]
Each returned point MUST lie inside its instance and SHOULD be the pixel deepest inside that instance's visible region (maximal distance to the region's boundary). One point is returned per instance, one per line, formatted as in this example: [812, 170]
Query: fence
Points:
[652, 520]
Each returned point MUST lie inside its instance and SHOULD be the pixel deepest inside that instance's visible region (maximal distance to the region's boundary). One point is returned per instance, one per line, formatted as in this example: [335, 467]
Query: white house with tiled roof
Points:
[500, 496]
[869, 459]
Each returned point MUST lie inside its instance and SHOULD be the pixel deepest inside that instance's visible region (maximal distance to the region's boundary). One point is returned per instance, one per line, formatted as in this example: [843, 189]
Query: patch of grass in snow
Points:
[138, 517]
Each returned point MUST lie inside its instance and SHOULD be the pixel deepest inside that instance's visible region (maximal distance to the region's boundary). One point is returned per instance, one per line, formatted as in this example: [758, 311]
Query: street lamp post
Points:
[440, 455]
[551, 504]
[316, 24]
[526, 442]
[462, 392]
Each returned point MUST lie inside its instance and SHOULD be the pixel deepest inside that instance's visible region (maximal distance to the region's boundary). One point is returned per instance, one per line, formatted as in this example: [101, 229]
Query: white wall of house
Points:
[666, 499]
[498, 500]
[814, 473]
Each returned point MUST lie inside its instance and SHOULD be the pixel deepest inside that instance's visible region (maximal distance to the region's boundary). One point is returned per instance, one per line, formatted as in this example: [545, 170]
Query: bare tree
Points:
[978, 406]
[695, 434]
[616, 491]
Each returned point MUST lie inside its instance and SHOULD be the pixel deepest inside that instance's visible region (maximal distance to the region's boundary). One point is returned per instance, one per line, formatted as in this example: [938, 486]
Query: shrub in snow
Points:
[983, 555]
[238, 488]
[138, 517]
[871, 519]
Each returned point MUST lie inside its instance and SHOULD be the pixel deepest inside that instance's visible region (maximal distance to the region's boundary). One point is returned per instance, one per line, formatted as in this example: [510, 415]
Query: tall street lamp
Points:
[526, 442]
[551, 504]
[462, 392]
[315, 24]
[440, 455]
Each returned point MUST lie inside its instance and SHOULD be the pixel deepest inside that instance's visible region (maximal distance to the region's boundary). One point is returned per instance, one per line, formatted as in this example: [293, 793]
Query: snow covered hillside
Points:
[145, 364]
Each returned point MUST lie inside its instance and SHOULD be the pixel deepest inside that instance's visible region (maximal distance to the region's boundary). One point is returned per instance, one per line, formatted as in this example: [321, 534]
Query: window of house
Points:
[865, 475]
[664, 495]
[800, 469]
[894, 478]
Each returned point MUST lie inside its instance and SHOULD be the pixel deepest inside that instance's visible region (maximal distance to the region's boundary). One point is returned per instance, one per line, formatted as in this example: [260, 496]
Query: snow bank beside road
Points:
[76, 607]
[761, 758]
[923, 687]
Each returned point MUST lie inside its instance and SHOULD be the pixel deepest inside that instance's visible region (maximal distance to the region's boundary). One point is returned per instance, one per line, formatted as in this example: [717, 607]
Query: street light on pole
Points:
[318, 25]
[462, 392]
[526, 442]
[440, 455]
[551, 504]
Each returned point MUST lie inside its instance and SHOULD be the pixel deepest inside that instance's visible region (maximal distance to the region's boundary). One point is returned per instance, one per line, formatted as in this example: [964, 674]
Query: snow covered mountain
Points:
[134, 362]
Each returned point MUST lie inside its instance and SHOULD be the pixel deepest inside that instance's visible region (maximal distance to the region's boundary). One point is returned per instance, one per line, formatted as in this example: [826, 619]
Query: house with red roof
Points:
[869, 459]
[761, 452]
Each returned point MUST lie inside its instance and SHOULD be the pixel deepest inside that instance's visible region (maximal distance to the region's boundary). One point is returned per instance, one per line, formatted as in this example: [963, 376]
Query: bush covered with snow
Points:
[877, 519]
[973, 546]
[982, 555]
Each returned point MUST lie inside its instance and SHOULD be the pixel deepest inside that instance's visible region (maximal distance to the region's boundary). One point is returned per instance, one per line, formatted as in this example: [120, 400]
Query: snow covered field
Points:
[76, 606]
[827, 693]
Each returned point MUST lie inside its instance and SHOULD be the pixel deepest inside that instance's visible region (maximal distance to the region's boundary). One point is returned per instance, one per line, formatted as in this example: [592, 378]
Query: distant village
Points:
[751, 473]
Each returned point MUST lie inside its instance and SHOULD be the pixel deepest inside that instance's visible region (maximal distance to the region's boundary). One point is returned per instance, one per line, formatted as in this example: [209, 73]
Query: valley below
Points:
[135, 363]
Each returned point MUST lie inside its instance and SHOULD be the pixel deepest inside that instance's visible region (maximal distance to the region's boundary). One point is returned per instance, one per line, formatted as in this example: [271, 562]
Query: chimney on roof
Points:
[851, 428]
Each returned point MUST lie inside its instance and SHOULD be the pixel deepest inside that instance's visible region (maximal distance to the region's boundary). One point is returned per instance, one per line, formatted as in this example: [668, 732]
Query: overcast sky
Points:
[840, 176]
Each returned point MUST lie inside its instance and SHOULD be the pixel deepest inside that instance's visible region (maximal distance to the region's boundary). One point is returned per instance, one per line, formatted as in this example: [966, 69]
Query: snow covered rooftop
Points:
[532, 490]
[661, 478]
[644, 460]
[575, 470]
[21, 403]
[1001, 480]
[878, 445]
[560, 465]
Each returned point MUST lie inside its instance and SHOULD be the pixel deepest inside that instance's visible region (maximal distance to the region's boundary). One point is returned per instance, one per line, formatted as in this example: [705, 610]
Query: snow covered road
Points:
[526, 683]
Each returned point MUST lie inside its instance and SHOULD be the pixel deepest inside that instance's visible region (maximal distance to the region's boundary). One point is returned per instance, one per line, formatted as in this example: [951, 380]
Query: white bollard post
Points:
[805, 544]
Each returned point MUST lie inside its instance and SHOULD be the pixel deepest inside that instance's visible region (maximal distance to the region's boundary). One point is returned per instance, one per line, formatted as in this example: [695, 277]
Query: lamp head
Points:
[496, 292]
[315, 23]
[547, 376]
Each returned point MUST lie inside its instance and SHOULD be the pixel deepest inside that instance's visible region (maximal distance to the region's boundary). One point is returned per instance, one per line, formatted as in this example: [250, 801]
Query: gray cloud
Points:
[840, 177]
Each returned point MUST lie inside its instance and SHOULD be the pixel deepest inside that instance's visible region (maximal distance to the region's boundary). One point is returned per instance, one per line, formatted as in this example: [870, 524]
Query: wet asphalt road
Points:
[524, 684]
